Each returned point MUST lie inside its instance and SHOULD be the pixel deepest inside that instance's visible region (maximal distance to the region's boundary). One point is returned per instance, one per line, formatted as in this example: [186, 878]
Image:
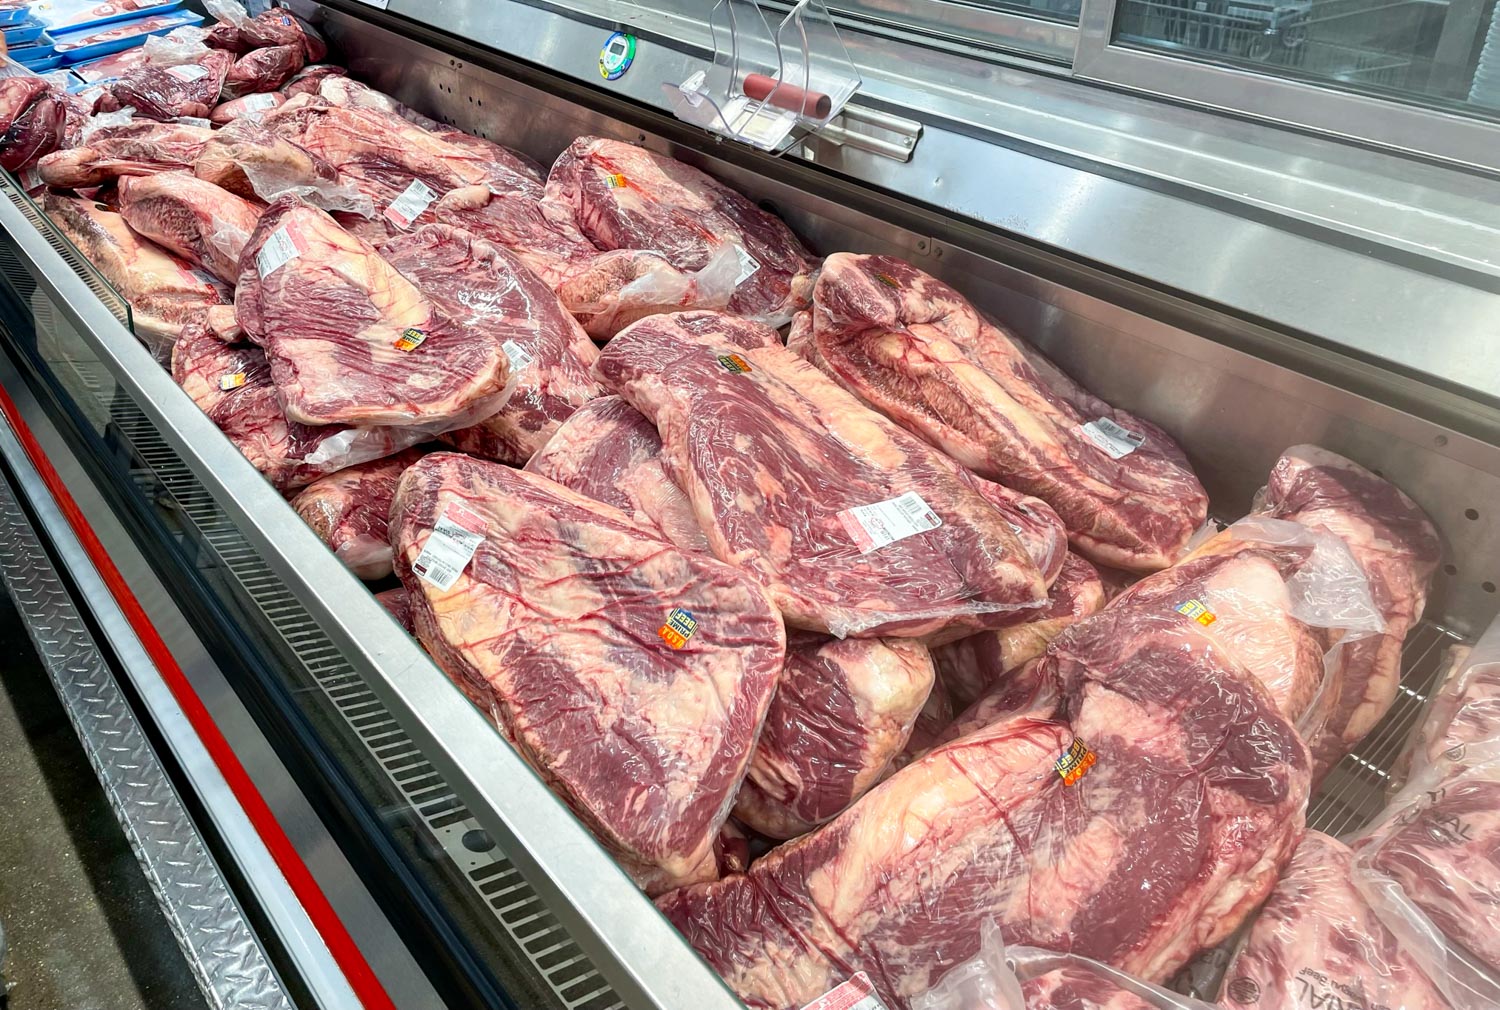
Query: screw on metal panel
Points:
[1440, 440]
[921, 245]
[938, 252]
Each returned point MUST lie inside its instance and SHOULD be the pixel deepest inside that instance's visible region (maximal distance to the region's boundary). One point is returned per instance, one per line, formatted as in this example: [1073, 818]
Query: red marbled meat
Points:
[143, 148]
[33, 122]
[163, 291]
[624, 197]
[165, 93]
[969, 667]
[917, 351]
[261, 70]
[1169, 841]
[352, 340]
[610, 452]
[843, 711]
[280, 27]
[1396, 546]
[770, 452]
[1318, 943]
[194, 219]
[250, 161]
[249, 412]
[1444, 856]
[552, 629]
[490, 286]
[350, 511]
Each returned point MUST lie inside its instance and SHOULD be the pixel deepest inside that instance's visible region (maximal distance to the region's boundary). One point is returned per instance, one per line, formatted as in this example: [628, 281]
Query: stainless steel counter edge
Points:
[640, 954]
[1391, 259]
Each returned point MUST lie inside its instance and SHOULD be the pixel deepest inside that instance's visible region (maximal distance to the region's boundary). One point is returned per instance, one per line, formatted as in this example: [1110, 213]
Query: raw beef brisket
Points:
[782, 468]
[917, 351]
[251, 161]
[195, 219]
[552, 629]
[842, 712]
[971, 666]
[624, 197]
[1394, 543]
[1318, 943]
[350, 511]
[1165, 843]
[165, 93]
[548, 350]
[610, 452]
[32, 120]
[132, 149]
[353, 341]
[163, 291]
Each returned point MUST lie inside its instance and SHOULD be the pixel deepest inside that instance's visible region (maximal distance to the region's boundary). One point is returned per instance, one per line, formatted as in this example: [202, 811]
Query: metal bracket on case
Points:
[889, 136]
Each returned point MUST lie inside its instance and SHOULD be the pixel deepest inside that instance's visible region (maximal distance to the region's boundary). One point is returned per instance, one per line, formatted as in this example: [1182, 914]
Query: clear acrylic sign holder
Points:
[768, 89]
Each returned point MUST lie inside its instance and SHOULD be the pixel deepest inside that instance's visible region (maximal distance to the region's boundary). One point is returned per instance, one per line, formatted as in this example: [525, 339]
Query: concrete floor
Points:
[81, 924]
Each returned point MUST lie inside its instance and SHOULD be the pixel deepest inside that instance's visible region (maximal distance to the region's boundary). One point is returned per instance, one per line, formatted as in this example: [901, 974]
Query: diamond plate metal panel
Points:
[224, 955]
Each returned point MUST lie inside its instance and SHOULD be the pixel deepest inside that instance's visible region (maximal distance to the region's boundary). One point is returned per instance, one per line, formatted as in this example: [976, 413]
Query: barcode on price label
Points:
[259, 103]
[520, 358]
[450, 547]
[409, 206]
[856, 994]
[875, 526]
[1117, 442]
[279, 250]
[198, 121]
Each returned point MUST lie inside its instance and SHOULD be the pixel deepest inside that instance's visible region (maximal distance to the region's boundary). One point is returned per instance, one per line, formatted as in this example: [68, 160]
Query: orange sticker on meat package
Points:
[1075, 762]
[680, 626]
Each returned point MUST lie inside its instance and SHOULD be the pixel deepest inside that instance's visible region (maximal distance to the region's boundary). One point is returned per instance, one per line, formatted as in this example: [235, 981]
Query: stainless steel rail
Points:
[635, 949]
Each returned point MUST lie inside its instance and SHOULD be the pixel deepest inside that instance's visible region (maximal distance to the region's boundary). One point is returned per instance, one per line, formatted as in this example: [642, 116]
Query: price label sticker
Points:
[520, 358]
[1117, 442]
[680, 626]
[450, 547]
[234, 380]
[1075, 762]
[278, 250]
[406, 208]
[410, 340]
[188, 72]
[748, 264]
[872, 527]
[858, 993]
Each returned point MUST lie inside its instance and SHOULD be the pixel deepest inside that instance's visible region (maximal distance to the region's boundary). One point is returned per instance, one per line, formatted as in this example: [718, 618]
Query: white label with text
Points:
[1115, 441]
[407, 207]
[883, 523]
[450, 547]
[520, 358]
[279, 250]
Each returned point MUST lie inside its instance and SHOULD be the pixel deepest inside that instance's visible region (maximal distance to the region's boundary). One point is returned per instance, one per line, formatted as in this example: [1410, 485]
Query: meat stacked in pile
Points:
[843, 594]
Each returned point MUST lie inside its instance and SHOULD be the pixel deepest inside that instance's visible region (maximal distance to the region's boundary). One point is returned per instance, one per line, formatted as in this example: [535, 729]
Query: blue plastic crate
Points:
[13, 13]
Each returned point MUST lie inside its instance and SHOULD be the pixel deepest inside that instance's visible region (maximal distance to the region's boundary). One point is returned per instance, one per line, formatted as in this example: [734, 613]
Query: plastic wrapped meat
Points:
[31, 121]
[634, 677]
[167, 92]
[350, 511]
[842, 712]
[262, 70]
[163, 291]
[1431, 870]
[611, 452]
[398, 602]
[353, 341]
[391, 159]
[605, 291]
[1143, 824]
[143, 148]
[1318, 943]
[231, 383]
[971, 666]
[280, 27]
[309, 79]
[248, 107]
[197, 220]
[915, 349]
[855, 527]
[1462, 723]
[624, 197]
[549, 352]
[250, 161]
[1397, 547]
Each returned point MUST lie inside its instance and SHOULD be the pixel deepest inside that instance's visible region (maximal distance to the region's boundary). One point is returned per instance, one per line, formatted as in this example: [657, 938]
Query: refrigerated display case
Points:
[369, 839]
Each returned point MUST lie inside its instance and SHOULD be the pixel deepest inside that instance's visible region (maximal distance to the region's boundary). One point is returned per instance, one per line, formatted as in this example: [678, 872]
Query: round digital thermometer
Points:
[616, 56]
